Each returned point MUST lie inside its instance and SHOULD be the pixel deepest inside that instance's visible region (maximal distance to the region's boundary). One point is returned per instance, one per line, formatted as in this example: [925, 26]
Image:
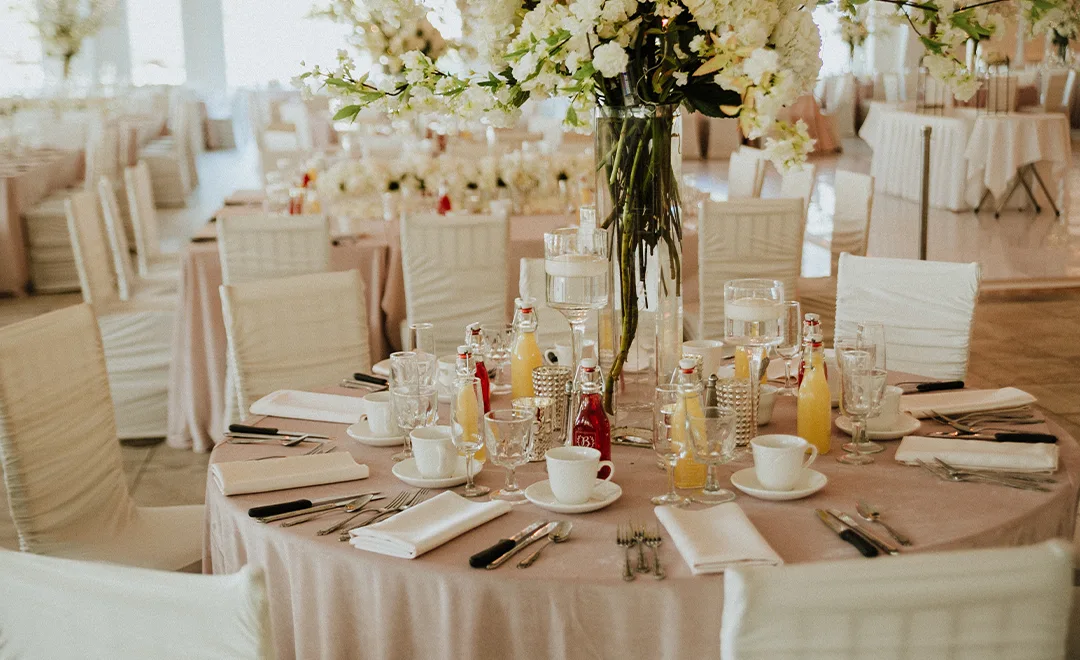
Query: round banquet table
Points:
[330, 600]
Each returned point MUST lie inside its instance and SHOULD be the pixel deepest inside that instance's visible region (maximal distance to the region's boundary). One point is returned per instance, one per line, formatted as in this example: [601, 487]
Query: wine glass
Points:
[498, 338]
[509, 440]
[576, 271]
[467, 426]
[712, 442]
[791, 343]
[669, 438]
[753, 317]
[872, 334]
[414, 406]
[864, 386]
[842, 348]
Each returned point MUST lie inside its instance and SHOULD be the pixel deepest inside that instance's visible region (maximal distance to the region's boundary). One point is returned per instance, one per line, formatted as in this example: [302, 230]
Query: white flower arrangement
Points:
[387, 31]
[1061, 23]
[853, 32]
[65, 24]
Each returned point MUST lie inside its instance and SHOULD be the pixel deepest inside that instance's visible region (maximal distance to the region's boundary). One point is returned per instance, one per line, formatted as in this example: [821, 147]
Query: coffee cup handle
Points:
[551, 356]
[611, 469]
[813, 456]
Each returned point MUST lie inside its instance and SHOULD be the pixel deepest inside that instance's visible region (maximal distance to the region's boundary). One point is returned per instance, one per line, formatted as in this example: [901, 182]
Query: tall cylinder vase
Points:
[638, 163]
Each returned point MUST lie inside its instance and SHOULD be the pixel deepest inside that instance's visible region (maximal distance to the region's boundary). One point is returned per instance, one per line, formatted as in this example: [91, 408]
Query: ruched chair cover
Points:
[137, 333]
[738, 239]
[746, 174]
[59, 608]
[840, 101]
[455, 272]
[144, 221]
[129, 284]
[927, 308]
[168, 160]
[998, 604]
[62, 466]
[799, 184]
[298, 332]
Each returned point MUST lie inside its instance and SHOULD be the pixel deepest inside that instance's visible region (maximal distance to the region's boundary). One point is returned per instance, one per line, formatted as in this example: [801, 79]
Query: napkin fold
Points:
[427, 525]
[313, 406]
[963, 401]
[711, 540]
[989, 454]
[240, 477]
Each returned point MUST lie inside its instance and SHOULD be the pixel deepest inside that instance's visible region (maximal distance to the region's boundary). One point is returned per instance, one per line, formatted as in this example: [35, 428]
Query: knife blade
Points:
[502, 546]
[936, 386]
[1003, 436]
[317, 509]
[268, 510]
[266, 430]
[521, 545]
[880, 543]
[366, 378]
[846, 533]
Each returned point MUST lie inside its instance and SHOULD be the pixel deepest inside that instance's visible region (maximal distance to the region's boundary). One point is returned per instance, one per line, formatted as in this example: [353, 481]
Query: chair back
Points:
[61, 459]
[724, 137]
[745, 238]
[1057, 91]
[927, 308]
[144, 220]
[295, 332]
[118, 243]
[744, 172]
[93, 260]
[61, 608]
[799, 184]
[851, 217]
[999, 604]
[259, 247]
[691, 145]
[455, 272]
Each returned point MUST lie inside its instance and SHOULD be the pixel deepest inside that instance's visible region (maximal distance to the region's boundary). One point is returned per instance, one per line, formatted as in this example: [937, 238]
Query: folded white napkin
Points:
[962, 401]
[314, 406]
[1020, 456]
[241, 477]
[710, 540]
[426, 526]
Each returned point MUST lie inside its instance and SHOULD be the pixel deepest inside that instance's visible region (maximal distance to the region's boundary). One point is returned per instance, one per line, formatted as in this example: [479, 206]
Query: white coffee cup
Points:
[889, 415]
[780, 459]
[766, 403]
[562, 353]
[447, 371]
[434, 452]
[380, 414]
[572, 472]
[711, 352]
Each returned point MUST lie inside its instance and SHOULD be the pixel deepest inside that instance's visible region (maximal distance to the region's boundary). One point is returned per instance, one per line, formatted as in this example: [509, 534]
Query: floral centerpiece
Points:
[853, 32]
[386, 32]
[65, 24]
[1061, 24]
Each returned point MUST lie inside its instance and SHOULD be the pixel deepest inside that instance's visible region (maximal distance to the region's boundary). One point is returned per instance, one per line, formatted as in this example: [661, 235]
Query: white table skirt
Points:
[1000, 145]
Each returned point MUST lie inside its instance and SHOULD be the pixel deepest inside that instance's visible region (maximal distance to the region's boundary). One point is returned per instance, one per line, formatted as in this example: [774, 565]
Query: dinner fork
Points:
[961, 476]
[398, 500]
[624, 537]
[653, 540]
[413, 501]
[639, 541]
[324, 448]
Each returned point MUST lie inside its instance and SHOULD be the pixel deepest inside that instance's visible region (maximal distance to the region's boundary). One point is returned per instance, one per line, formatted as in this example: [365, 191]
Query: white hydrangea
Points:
[610, 59]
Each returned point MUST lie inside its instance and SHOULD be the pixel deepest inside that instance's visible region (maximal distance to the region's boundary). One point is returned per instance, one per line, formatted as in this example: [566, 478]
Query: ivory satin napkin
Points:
[426, 526]
[1021, 456]
[963, 401]
[713, 539]
[240, 477]
[312, 406]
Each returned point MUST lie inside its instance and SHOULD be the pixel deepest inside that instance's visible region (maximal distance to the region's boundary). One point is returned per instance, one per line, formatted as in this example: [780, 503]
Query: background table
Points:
[329, 600]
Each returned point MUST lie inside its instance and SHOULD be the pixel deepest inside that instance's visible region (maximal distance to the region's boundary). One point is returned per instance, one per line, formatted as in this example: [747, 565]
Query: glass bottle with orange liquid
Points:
[688, 472]
[525, 354]
[814, 418]
[466, 406]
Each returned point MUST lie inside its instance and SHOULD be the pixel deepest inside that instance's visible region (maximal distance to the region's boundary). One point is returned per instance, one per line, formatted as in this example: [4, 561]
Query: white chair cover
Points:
[552, 326]
[455, 272]
[62, 467]
[851, 216]
[927, 308]
[296, 332]
[58, 608]
[144, 220]
[1008, 604]
[724, 138]
[259, 247]
[840, 100]
[890, 82]
[745, 238]
[799, 184]
[169, 162]
[128, 283]
[745, 171]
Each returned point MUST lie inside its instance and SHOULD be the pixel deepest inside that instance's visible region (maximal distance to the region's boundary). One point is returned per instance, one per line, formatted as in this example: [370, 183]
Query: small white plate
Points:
[603, 494]
[906, 425]
[810, 482]
[382, 368]
[407, 472]
[361, 432]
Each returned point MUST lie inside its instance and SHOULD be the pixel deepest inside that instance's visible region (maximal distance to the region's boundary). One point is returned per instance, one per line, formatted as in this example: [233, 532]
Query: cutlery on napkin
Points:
[710, 540]
[426, 526]
[988, 454]
[240, 477]
[923, 405]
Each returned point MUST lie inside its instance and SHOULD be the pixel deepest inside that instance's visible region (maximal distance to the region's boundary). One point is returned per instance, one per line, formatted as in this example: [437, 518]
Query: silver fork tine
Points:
[398, 499]
[388, 512]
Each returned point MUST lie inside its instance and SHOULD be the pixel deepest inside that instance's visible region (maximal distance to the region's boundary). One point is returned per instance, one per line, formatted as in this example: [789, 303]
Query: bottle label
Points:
[585, 439]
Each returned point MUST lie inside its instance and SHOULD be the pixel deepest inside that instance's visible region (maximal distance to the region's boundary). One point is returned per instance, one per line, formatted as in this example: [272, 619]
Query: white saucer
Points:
[361, 432]
[810, 482]
[603, 494]
[407, 472]
[382, 368]
[906, 425]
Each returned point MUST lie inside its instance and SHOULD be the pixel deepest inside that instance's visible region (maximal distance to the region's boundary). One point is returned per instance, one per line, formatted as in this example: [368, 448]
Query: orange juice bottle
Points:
[688, 472]
[814, 420]
[468, 408]
[525, 354]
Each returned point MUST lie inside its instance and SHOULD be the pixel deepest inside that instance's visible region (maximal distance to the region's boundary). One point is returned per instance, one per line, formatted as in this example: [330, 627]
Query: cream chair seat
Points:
[144, 222]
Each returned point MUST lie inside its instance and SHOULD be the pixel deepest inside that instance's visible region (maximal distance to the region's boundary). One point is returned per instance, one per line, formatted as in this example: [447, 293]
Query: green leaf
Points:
[348, 112]
[708, 98]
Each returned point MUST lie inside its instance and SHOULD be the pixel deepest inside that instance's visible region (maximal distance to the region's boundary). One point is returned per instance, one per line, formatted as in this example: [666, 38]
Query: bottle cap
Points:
[464, 350]
[525, 304]
[474, 328]
[588, 363]
[687, 364]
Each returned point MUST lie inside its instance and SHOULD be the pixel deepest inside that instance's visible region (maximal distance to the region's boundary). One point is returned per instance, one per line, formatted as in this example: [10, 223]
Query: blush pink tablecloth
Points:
[329, 600]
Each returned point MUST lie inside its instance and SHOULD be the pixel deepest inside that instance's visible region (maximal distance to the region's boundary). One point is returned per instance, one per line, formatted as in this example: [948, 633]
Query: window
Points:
[21, 57]
[156, 40]
[835, 58]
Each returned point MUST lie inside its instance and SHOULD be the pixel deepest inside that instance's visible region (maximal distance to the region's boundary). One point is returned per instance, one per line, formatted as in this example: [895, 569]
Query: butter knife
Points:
[486, 556]
[851, 536]
[521, 545]
[878, 542]
[316, 509]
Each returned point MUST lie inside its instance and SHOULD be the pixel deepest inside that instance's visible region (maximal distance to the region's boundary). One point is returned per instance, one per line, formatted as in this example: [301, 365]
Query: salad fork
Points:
[410, 500]
[653, 540]
[624, 537]
[639, 541]
[398, 500]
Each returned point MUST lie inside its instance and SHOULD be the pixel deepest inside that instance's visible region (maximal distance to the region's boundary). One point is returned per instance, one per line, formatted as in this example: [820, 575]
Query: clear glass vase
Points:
[637, 198]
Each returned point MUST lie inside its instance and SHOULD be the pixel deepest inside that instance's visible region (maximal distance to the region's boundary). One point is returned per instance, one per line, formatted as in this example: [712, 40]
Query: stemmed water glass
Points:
[669, 440]
[498, 338]
[467, 426]
[872, 334]
[791, 342]
[712, 442]
[509, 441]
[576, 273]
[753, 317]
[864, 387]
[414, 406]
[421, 341]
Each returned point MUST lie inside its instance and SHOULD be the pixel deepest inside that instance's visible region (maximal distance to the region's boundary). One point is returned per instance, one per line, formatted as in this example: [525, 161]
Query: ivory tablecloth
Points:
[329, 600]
[1001, 144]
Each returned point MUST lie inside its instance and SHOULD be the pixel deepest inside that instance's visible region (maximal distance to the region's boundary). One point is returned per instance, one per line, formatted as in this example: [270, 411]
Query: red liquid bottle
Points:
[591, 426]
[443, 206]
[474, 339]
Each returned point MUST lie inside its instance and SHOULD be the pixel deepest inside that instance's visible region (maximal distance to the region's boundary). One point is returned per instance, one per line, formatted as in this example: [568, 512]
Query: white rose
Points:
[610, 59]
[761, 64]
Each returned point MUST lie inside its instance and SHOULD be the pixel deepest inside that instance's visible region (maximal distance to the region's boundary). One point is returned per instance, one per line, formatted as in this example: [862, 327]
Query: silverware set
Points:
[633, 535]
[1018, 480]
[400, 503]
[871, 513]
[990, 420]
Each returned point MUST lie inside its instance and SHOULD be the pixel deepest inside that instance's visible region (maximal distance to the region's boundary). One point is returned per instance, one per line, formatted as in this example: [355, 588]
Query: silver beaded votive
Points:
[550, 381]
[734, 393]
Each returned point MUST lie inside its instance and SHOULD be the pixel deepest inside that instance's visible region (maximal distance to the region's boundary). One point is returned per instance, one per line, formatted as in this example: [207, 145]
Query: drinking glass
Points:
[509, 439]
[498, 338]
[670, 429]
[414, 406]
[421, 340]
[412, 369]
[791, 343]
[467, 426]
[864, 386]
[712, 442]
[576, 271]
[842, 348]
[872, 334]
[753, 317]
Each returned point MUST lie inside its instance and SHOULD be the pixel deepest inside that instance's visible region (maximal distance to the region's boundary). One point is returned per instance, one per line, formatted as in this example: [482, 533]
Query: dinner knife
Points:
[317, 508]
[1004, 436]
[935, 386]
[880, 543]
[367, 378]
[266, 430]
[851, 536]
[488, 555]
[268, 510]
[521, 545]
